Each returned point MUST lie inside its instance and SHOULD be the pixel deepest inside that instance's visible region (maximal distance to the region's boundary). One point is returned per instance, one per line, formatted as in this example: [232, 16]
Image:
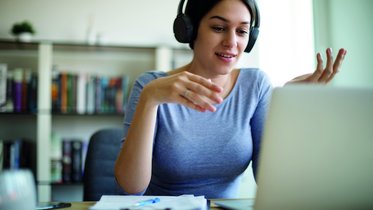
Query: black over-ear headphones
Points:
[183, 28]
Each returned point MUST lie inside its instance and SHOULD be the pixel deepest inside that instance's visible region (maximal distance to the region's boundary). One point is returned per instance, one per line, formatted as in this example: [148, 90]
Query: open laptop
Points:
[317, 150]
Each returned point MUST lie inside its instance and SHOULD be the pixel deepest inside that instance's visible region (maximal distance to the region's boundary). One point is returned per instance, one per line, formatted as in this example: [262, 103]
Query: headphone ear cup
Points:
[254, 32]
[183, 29]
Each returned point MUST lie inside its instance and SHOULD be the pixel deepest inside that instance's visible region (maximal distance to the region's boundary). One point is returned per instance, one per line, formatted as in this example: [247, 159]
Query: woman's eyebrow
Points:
[226, 20]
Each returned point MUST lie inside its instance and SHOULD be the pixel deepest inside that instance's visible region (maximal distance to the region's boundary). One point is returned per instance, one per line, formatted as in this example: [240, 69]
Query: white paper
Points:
[117, 202]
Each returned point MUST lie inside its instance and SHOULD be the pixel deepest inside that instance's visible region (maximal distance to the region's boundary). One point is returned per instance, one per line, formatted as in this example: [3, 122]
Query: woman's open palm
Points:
[323, 74]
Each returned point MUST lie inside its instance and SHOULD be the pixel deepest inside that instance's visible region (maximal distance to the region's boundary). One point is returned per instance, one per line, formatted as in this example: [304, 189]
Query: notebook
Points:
[316, 151]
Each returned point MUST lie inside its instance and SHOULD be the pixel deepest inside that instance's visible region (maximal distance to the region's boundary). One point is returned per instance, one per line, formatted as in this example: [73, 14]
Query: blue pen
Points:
[147, 202]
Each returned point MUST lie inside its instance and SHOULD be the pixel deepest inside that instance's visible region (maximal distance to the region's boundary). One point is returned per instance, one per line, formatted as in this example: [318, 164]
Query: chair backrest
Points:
[103, 148]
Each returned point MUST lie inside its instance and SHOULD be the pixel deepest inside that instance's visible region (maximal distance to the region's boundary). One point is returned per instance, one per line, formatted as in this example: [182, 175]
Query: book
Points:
[76, 160]
[72, 93]
[90, 95]
[25, 90]
[66, 161]
[72, 161]
[17, 87]
[81, 93]
[18, 154]
[9, 106]
[56, 90]
[98, 93]
[56, 171]
[3, 79]
[32, 93]
[63, 92]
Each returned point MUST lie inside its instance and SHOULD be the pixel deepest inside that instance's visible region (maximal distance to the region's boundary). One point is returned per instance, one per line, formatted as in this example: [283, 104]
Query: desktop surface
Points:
[86, 204]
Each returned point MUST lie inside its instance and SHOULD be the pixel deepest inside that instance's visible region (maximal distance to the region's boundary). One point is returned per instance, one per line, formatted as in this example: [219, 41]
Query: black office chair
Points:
[98, 178]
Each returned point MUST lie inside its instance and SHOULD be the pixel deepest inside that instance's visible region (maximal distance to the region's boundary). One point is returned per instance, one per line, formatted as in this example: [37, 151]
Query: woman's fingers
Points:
[328, 71]
[325, 75]
[319, 69]
[321, 74]
[204, 92]
[193, 91]
[186, 102]
[338, 63]
[204, 82]
[195, 101]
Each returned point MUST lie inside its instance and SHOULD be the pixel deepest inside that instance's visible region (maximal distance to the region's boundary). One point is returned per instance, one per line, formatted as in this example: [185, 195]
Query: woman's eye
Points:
[242, 32]
[218, 28]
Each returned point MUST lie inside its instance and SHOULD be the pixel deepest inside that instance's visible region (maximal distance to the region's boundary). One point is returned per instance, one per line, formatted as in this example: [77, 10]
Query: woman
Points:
[195, 129]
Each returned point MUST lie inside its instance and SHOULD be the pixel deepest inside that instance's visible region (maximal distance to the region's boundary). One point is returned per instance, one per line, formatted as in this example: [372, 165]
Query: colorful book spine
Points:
[18, 154]
[3, 79]
[32, 93]
[63, 93]
[81, 94]
[66, 161]
[76, 160]
[88, 94]
[17, 87]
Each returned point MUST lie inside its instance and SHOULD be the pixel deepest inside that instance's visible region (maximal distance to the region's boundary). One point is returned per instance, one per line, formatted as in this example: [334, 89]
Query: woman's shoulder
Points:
[249, 72]
[148, 76]
[254, 74]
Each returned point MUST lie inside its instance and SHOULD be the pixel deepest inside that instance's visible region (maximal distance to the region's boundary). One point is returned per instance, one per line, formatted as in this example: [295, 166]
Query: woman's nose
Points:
[230, 39]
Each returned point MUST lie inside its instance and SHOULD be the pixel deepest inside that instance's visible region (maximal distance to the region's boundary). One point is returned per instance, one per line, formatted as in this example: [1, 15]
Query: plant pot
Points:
[24, 37]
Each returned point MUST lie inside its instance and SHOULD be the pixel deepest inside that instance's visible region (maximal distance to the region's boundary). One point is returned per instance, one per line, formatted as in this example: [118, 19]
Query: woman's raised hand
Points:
[184, 88]
[321, 74]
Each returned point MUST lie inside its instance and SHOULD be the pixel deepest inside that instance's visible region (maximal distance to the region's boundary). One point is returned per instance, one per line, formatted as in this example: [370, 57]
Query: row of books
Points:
[67, 160]
[18, 90]
[71, 93]
[88, 94]
[18, 153]
[67, 157]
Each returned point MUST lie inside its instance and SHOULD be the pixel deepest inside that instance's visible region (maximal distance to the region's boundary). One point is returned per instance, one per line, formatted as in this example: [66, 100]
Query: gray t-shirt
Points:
[204, 153]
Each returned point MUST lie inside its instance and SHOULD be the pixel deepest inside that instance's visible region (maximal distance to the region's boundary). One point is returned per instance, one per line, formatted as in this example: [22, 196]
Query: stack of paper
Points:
[120, 202]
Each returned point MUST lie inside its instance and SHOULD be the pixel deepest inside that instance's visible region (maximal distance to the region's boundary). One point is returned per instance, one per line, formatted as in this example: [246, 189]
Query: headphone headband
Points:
[183, 27]
[180, 7]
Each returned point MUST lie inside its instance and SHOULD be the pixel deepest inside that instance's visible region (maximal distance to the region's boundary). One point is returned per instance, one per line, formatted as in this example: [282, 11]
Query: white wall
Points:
[140, 22]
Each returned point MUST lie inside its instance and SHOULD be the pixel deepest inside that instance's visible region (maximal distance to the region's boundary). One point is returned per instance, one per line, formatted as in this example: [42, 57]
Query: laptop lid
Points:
[317, 149]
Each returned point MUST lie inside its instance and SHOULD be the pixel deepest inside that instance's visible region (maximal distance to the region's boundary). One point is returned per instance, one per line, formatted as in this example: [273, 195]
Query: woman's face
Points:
[222, 36]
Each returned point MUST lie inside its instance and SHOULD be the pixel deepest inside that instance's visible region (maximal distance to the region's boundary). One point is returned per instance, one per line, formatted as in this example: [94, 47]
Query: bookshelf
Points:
[42, 57]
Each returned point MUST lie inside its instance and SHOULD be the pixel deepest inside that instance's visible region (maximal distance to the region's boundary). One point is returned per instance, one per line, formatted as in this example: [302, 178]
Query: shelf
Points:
[11, 44]
[87, 114]
[45, 56]
[18, 114]
[66, 184]
[8, 44]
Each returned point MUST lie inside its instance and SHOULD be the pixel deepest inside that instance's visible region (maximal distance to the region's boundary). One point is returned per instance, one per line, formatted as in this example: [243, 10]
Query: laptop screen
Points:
[317, 149]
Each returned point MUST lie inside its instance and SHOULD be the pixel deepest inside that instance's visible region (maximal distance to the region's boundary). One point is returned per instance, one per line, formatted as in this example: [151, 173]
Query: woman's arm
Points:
[133, 166]
[134, 163]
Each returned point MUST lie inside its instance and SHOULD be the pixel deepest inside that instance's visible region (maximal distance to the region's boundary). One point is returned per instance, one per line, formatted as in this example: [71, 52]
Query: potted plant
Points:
[23, 31]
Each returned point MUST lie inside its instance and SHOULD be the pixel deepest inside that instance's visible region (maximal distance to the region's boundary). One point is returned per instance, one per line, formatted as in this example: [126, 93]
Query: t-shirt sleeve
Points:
[134, 96]
[131, 105]
[258, 119]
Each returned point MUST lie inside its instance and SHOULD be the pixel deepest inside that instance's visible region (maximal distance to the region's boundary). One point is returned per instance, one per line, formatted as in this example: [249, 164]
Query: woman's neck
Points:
[225, 81]
[218, 79]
